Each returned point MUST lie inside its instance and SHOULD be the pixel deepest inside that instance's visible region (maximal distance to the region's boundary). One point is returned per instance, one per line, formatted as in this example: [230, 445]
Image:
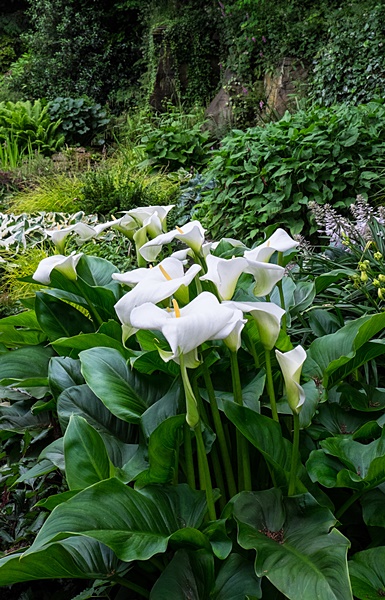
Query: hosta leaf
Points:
[79, 558]
[136, 525]
[126, 394]
[367, 574]
[297, 547]
[86, 458]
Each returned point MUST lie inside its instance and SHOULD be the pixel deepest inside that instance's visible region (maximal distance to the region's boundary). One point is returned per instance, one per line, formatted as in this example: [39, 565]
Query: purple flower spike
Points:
[245, 90]
[254, 40]
[261, 104]
[264, 40]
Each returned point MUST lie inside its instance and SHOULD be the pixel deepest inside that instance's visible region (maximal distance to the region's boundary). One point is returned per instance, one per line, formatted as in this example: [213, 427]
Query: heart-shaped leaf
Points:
[367, 574]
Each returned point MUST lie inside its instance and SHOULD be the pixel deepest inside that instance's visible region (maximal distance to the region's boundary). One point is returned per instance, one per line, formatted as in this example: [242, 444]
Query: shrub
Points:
[81, 119]
[113, 187]
[175, 139]
[269, 174]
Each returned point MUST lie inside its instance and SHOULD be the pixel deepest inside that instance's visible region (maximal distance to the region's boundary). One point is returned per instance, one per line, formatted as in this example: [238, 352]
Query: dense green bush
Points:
[81, 119]
[269, 174]
[351, 66]
[175, 140]
[76, 48]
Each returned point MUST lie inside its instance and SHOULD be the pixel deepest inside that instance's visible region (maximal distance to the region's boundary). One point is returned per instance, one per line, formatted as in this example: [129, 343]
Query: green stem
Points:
[220, 433]
[189, 457]
[281, 294]
[205, 473]
[131, 586]
[251, 348]
[294, 456]
[270, 386]
[348, 503]
[242, 443]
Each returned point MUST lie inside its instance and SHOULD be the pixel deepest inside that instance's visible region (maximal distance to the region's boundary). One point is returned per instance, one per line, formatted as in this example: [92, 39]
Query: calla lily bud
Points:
[64, 264]
[267, 316]
[291, 365]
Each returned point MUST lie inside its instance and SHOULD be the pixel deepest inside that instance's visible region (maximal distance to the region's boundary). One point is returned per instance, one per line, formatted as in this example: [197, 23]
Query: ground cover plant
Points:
[211, 439]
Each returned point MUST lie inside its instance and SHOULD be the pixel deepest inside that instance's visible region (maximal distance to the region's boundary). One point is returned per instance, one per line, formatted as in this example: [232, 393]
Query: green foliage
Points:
[28, 125]
[319, 154]
[81, 119]
[175, 139]
[114, 186]
[112, 419]
[78, 49]
[351, 66]
[56, 193]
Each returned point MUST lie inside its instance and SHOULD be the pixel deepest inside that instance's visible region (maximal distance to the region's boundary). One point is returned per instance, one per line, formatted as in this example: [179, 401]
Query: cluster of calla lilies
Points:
[160, 299]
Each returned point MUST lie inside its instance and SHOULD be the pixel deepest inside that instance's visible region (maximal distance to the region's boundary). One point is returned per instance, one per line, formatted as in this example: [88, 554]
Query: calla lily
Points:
[192, 234]
[224, 273]
[185, 329]
[267, 316]
[151, 285]
[291, 366]
[64, 264]
[266, 276]
[144, 213]
[82, 231]
[280, 241]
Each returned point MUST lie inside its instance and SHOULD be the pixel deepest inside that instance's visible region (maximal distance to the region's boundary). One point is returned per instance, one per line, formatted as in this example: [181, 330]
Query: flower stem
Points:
[281, 294]
[97, 319]
[204, 473]
[348, 503]
[131, 586]
[190, 474]
[242, 443]
[270, 386]
[220, 433]
[294, 456]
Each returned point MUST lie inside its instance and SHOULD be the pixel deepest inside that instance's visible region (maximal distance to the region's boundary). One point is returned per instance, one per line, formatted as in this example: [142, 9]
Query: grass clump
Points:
[59, 193]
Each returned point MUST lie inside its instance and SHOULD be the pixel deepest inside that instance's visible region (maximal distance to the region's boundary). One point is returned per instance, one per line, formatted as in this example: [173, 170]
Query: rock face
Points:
[283, 85]
[166, 74]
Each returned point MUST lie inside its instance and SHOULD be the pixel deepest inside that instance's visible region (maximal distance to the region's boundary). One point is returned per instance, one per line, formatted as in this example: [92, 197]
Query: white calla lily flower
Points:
[266, 276]
[192, 234]
[151, 285]
[144, 213]
[280, 241]
[82, 232]
[224, 274]
[64, 264]
[185, 329]
[291, 365]
[267, 316]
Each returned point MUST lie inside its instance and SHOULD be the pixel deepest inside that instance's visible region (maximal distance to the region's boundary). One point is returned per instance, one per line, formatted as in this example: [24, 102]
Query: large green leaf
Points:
[367, 574]
[126, 394]
[22, 329]
[18, 418]
[86, 458]
[59, 319]
[330, 353]
[373, 507]
[63, 373]
[31, 361]
[191, 575]
[79, 558]
[117, 434]
[162, 451]
[71, 346]
[343, 462]
[296, 544]
[136, 525]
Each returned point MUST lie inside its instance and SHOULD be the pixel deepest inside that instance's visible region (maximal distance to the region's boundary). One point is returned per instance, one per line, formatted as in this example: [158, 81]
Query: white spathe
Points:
[266, 276]
[151, 285]
[267, 316]
[291, 365]
[224, 274]
[64, 264]
[203, 319]
[192, 234]
[280, 241]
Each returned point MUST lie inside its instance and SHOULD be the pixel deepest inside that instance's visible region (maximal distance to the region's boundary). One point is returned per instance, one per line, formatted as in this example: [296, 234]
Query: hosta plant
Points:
[209, 449]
